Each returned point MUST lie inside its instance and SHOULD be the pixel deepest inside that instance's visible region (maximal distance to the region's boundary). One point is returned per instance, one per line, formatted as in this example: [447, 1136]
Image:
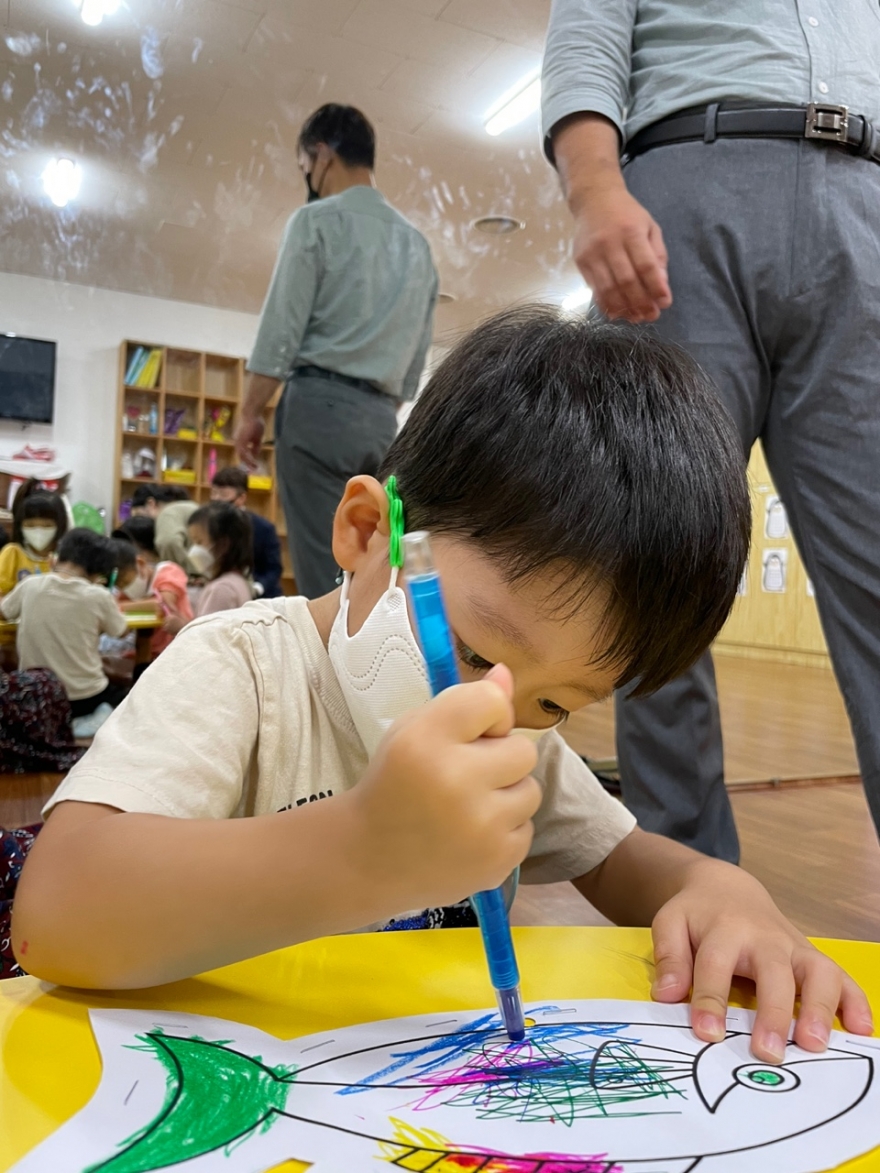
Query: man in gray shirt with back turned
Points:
[346, 327]
[745, 222]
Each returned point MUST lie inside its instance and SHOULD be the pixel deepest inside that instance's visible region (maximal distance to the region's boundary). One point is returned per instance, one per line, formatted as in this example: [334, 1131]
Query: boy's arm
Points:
[712, 921]
[112, 620]
[111, 899]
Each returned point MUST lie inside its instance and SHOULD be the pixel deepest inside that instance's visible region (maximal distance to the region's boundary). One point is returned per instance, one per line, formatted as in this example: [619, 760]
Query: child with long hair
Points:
[222, 548]
[39, 522]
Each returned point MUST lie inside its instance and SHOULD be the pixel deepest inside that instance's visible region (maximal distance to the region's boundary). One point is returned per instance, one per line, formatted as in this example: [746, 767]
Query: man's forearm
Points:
[640, 875]
[260, 390]
[587, 151]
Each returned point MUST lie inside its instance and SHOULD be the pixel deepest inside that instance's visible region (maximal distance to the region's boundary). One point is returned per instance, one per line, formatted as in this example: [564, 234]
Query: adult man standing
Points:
[231, 485]
[346, 326]
[749, 126]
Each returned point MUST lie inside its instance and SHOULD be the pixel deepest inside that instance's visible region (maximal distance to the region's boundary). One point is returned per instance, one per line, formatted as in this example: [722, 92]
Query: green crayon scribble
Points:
[215, 1099]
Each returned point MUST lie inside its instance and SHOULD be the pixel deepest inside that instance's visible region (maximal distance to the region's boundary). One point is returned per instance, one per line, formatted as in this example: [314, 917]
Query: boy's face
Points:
[230, 495]
[552, 659]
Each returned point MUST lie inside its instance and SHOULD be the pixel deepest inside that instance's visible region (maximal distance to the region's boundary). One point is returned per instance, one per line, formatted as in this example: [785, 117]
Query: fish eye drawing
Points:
[595, 1087]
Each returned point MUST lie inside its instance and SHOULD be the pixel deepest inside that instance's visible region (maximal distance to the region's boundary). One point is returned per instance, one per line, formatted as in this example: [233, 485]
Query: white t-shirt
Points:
[60, 623]
[243, 715]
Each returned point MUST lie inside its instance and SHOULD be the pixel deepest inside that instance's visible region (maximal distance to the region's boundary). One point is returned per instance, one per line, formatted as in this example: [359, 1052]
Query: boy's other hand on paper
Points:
[723, 923]
[446, 804]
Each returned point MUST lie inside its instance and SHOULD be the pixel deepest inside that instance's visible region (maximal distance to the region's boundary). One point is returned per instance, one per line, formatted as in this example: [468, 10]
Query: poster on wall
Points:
[774, 571]
[775, 519]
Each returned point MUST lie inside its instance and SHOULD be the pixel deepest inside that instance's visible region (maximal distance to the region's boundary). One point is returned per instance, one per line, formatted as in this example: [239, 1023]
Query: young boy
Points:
[587, 500]
[62, 616]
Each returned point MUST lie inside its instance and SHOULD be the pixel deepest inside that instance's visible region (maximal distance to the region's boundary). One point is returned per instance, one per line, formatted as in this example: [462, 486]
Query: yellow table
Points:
[142, 624]
[49, 1063]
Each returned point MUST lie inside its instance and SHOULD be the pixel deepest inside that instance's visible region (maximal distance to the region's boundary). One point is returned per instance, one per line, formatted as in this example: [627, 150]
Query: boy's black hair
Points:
[91, 552]
[124, 553]
[231, 536]
[345, 130]
[594, 452]
[231, 478]
[141, 532]
[33, 501]
[158, 493]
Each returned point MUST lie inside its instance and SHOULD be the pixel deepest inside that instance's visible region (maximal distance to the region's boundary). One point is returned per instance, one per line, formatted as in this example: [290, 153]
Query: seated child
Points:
[61, 617]
[155, 586]
[170, 508]
[35, 733]
[231, 485]
[221, 547]
[39, 522]
[587, 499]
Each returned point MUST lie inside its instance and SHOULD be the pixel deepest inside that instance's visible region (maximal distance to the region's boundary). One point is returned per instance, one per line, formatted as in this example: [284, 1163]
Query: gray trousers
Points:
[325, 433]
[774, 263]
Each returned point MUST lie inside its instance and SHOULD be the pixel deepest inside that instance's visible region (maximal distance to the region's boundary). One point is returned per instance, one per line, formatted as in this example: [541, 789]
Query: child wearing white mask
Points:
[222, 550]
[39, 523]
[588, 505]
[154, 585]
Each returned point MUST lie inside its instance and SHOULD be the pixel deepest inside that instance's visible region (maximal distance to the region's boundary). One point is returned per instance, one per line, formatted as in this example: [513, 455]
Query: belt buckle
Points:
[827, 121]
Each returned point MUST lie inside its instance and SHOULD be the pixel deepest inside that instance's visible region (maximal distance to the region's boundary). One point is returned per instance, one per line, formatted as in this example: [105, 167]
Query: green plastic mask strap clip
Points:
[395, 522]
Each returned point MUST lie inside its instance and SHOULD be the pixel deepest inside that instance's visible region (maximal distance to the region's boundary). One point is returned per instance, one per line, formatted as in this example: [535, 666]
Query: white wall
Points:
[88, 324]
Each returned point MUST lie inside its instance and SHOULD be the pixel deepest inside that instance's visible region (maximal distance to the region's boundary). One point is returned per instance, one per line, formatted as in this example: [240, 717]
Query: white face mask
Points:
[201, 558]
[39, 537]
[138, 588]
[381, 669]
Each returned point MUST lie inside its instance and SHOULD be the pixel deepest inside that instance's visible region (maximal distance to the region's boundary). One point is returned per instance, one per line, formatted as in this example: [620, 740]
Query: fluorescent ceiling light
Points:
[61, 179]
[94, 11]
[579, 300]
[518, 103]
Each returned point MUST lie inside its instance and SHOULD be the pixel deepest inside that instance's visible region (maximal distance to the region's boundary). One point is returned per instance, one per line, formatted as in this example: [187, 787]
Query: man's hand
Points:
[445, 808]
[248, 438]
[618, 246]
[723, 923]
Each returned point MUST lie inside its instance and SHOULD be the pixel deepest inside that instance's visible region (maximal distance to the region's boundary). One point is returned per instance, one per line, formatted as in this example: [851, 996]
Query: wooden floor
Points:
[779, 721]
[814, 848]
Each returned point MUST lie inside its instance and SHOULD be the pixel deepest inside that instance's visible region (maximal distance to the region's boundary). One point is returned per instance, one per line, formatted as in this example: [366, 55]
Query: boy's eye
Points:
[554, 710]
[469, 656]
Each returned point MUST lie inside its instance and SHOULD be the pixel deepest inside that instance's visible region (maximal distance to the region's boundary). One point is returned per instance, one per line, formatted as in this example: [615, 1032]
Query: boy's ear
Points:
[361, 514]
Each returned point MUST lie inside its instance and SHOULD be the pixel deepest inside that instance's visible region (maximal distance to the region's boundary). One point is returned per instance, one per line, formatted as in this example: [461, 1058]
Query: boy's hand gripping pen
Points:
[435, 636]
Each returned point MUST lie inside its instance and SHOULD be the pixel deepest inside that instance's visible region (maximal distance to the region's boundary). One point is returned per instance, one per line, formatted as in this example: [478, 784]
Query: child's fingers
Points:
[673, 956]
[467, 712]
[855, 1010]
[775, 989]
[713, 972]
[821, 993]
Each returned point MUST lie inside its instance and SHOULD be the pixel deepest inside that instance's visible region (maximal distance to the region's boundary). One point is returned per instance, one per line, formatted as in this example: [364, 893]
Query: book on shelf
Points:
[135, 365]
[149, 375]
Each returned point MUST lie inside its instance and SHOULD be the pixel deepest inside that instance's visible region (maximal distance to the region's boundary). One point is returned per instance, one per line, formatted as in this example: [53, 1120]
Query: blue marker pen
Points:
[435, 636]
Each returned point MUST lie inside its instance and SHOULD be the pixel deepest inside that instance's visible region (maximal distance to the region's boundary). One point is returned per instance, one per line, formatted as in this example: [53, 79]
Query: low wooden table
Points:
[142, 625]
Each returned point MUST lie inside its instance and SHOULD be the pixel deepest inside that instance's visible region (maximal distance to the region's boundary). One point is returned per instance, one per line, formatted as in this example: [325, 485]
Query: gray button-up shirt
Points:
[637, 61]
[353, 291]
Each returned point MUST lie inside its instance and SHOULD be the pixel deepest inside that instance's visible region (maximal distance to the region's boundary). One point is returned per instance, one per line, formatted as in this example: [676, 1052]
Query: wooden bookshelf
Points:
[200, 394]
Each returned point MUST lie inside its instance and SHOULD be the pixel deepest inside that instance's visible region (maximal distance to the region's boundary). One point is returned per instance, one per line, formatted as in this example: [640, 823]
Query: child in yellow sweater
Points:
[39, 522]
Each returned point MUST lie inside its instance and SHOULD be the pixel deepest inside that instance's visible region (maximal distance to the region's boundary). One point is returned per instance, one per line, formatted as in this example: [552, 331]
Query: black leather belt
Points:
[820, 121]
[310, 372]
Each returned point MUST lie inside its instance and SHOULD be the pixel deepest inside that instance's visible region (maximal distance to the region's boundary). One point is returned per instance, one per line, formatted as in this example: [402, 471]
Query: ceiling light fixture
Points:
[498, 225]
[514, 105]
[579, 300]
[94, 11]
[62, 179]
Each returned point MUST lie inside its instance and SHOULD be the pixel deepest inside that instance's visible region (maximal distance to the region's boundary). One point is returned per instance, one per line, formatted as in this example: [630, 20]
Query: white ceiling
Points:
[184, 116]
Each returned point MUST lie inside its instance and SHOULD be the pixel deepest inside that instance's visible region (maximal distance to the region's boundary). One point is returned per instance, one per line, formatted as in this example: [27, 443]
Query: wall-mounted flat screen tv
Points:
[27, 379]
